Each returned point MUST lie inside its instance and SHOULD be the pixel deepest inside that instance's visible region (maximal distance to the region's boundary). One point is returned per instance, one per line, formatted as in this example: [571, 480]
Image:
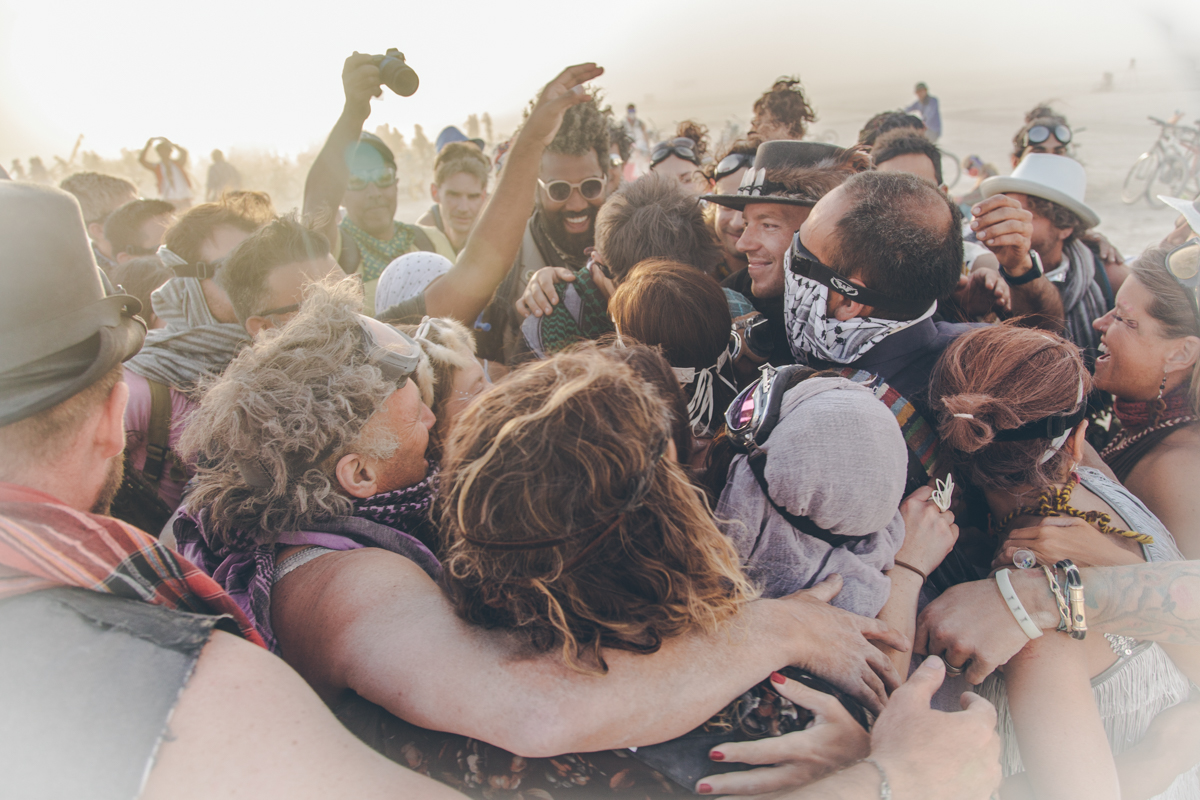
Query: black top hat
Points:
[59, 333]
[771, 156]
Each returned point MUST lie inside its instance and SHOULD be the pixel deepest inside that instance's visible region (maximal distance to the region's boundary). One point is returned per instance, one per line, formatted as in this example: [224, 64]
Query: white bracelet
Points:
[1015, 606]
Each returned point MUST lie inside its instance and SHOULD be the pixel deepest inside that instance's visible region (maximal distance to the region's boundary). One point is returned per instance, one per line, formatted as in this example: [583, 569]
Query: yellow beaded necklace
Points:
[1054, 503]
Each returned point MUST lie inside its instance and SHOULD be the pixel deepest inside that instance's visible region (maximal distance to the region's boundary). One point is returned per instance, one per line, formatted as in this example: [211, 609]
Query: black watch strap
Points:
[1033, 274]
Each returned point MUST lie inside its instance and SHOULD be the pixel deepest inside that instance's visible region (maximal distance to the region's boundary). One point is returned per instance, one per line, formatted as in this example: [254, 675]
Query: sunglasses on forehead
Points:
[393, 352]
[382, 178]
[803, 263]
[1184, 265]
[559, 191]
[731, 164]
[1040, 133]
[682, 146]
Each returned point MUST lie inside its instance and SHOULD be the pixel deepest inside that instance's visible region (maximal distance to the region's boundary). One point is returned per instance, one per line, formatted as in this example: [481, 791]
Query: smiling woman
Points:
[1151, 364]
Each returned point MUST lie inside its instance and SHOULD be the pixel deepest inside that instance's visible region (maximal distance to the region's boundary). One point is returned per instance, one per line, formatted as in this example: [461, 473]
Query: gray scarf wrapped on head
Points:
[837, 456]
[193, 345]
[1083, 299]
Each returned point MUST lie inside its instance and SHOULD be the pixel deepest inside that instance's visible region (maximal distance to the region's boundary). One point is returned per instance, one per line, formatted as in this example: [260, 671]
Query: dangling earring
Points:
[1160, 405]
[1162, 386]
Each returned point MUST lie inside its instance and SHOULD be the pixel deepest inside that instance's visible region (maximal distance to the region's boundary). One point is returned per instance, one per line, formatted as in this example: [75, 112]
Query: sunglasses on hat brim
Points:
[1040, 133]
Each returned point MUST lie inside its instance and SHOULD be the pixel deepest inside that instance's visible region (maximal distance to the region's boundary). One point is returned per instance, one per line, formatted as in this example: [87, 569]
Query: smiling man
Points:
[775, 197]
[572, 185]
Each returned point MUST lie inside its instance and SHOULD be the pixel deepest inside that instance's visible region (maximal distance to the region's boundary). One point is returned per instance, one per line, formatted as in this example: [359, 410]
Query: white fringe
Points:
[1129, 694]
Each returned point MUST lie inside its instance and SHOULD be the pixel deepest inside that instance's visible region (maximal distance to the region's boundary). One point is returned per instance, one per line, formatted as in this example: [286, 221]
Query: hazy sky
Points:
[266, 73]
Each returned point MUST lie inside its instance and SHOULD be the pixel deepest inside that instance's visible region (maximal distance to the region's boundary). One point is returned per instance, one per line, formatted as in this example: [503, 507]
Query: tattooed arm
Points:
[1159, 602]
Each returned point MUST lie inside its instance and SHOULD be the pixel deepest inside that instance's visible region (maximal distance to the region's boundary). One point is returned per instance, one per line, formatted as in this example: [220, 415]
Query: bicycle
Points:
[1168, 167]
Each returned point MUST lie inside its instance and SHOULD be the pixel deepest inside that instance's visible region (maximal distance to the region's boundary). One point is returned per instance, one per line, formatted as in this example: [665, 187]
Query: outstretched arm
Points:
[467, 288]
[182, 160]
[327, 178]
[372, 621]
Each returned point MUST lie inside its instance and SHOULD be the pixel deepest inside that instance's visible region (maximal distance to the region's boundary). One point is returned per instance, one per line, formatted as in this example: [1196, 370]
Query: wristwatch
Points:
[1033, 274]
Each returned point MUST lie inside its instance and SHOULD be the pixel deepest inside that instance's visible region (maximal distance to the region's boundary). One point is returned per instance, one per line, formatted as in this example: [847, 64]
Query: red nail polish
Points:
[704, 788]
[777, 678]
[717, 755]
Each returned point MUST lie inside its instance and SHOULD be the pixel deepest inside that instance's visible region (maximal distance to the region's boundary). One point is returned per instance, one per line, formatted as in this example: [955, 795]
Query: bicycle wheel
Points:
[951, 168]
[1172, 172]
[1140, 176]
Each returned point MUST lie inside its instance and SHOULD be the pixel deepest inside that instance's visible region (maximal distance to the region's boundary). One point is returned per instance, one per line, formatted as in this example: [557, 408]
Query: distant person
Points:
[639, 163]
[782, 112]
[136, 228]
[99, 196]
[927, 106]
[886, 121]
[222, 177]
[459, 191]
[170, 171]
[17, 171]
[620, 150]
[357, 170]
[38, 172]
[680, 158]
[975, 168]
[1044, 131]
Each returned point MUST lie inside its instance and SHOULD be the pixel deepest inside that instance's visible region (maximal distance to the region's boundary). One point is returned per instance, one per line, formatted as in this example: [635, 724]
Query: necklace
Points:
[1057, 502]
[1123, 440]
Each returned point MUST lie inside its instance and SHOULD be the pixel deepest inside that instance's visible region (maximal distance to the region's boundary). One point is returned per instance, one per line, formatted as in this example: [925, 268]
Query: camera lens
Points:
[398, 76]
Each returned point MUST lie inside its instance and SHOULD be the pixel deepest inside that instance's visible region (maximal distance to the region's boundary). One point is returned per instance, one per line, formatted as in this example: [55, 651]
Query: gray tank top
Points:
[88, 682]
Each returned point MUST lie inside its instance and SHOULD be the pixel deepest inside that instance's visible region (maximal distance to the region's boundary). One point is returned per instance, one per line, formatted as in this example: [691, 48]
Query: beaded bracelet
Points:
[885, 789]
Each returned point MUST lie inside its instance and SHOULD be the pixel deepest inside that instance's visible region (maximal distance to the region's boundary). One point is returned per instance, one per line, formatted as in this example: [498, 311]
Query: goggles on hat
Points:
[1184, 265]
[731, 164]
[180, 266]
[1040, 133]
[559, 191]
[394, 352]
[803, 263]
[383, 178]
[681, 146]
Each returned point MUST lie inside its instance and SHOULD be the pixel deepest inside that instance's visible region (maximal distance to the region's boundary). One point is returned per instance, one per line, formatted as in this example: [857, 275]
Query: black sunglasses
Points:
[731, 164]
[682, 146]
[803, 263]
[1040, 133]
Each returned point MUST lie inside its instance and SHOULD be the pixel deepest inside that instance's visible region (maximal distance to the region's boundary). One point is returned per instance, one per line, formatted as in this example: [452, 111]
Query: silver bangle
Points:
[885, 789]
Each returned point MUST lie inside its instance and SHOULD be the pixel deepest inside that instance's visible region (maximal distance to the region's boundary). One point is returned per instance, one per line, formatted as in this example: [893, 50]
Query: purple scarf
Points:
[246, 574]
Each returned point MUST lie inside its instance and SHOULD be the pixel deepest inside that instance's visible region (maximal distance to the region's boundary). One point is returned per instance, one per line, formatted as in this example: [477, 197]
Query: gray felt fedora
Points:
[780, 154]
[59, 332]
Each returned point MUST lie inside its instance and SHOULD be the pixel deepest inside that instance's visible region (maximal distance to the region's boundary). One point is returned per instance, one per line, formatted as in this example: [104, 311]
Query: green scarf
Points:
[560, 327]
[376, 253]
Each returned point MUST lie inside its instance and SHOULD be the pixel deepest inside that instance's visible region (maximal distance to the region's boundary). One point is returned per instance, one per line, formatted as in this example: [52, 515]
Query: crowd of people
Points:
[629, 469]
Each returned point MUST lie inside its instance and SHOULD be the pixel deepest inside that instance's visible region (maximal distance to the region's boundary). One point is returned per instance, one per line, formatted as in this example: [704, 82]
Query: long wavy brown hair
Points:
[566, 523]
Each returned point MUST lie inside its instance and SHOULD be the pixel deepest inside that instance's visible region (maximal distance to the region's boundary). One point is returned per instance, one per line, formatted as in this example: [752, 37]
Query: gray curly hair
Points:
[269, 431]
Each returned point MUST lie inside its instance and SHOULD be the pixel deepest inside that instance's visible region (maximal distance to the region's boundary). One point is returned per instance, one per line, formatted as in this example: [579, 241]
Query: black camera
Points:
[396, 74]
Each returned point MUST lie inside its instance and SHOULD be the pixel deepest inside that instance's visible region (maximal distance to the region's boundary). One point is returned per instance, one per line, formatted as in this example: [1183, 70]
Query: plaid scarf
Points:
[376, 253]
[44, 543]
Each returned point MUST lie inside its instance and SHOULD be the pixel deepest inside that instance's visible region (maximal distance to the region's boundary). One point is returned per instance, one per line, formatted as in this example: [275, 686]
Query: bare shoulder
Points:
[1173, 463]
[247, 724]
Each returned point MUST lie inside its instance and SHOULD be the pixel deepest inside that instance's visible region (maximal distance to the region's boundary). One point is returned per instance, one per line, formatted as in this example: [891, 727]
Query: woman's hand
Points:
[1057, 538]
[540, 296]
[839, 646]
[833, 740]
[929, 533]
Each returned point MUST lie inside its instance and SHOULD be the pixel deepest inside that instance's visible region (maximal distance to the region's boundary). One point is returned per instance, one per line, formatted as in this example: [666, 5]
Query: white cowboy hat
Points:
[1059, 179]
[1189, 208]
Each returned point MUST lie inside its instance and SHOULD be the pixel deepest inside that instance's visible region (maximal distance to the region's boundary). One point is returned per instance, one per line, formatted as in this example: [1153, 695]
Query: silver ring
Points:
[953, 670]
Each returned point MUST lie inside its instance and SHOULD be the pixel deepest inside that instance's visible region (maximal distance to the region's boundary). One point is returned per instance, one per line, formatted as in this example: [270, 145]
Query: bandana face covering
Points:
[812, 334]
